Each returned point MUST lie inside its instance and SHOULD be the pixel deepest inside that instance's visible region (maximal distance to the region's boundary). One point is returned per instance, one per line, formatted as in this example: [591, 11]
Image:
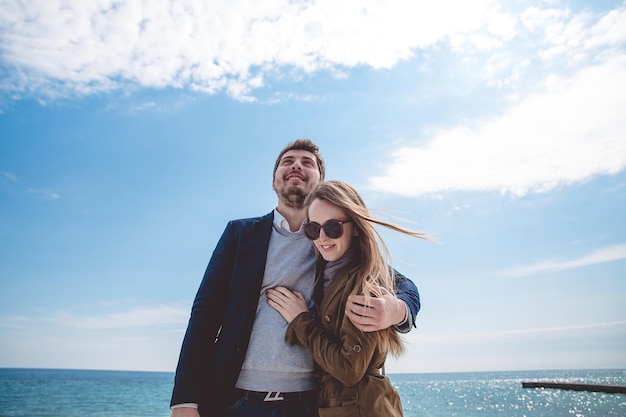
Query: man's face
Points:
[295, 177]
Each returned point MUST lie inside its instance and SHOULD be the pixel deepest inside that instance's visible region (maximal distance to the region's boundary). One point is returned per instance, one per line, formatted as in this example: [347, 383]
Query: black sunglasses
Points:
[332, 229]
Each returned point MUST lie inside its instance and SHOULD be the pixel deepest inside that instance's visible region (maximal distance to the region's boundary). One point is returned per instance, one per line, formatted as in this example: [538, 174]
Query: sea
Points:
[88, 393]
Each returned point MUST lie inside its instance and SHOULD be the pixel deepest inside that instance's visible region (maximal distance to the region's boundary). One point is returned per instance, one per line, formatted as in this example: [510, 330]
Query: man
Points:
[234, 355]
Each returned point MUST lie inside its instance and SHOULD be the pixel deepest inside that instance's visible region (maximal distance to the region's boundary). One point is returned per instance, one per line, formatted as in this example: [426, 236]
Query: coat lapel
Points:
[338, 291]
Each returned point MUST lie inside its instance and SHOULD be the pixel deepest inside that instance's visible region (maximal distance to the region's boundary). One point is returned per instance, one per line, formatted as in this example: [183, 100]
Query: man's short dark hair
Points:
[303, 145]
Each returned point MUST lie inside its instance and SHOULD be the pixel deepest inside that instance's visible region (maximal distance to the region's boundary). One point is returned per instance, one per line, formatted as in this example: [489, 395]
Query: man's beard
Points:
[293, 197]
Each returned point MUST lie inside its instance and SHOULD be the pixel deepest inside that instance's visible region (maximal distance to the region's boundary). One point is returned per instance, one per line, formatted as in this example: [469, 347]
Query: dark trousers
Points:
[248, 404]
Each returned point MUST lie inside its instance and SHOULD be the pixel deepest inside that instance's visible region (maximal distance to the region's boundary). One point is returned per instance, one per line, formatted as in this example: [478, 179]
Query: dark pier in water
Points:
[612, 389]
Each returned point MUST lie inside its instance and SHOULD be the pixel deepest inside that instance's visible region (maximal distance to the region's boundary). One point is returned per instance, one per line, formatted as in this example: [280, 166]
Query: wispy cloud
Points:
[8, 177]
[139, 317]
[144, 106]
[137, 338]
[468, 337]
[69, 47]
[43, 194]
[568, 128]
[607, 254]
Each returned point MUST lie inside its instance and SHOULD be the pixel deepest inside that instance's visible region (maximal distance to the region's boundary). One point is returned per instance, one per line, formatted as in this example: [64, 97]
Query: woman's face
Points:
[320, 211]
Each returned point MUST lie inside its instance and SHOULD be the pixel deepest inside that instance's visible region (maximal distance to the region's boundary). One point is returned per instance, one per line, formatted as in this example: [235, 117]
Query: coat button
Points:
[327, 319]
[356, 348]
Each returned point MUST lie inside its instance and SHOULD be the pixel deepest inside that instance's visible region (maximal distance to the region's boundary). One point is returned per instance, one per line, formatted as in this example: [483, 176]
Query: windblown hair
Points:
[303, 145]
[375, 269]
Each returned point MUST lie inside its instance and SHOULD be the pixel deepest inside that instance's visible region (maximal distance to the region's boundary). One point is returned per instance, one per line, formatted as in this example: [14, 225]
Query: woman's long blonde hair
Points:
[375, 270]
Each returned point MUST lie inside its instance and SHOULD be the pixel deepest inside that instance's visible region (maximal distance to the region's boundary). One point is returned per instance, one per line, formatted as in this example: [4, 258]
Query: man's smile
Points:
[294, 176]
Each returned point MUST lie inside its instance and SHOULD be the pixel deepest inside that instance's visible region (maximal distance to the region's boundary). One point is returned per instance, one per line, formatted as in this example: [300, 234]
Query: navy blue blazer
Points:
[223, 312]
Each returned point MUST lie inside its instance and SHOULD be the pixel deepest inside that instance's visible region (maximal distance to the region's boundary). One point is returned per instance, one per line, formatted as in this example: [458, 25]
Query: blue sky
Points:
[131, 132]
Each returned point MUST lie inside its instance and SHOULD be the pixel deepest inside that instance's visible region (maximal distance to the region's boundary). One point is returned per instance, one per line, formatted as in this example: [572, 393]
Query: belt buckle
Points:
[275, 397]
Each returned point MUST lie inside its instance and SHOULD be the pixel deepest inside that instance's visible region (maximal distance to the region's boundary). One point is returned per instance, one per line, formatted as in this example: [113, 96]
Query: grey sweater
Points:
[272, 364]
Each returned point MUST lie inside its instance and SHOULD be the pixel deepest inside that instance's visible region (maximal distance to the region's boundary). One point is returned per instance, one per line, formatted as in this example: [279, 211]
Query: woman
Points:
[351, 261]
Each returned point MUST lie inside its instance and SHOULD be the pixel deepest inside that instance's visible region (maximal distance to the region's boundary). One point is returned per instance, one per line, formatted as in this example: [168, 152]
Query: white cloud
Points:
[609, 31]
[573, 130]
[51, 49]
[563, 127]
[602, 255]
[61, 47]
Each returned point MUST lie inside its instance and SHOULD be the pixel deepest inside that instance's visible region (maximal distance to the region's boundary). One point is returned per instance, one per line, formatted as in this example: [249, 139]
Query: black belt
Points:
[274, 395]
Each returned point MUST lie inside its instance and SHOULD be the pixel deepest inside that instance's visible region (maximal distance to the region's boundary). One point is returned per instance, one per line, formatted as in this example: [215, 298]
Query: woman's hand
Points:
[288, 303]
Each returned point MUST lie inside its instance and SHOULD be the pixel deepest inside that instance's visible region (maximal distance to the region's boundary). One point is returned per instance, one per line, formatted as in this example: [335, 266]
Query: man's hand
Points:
[185, 412]
[380, 313]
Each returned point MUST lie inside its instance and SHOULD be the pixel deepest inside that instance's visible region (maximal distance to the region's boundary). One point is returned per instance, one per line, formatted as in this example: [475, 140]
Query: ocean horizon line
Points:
[388, 373]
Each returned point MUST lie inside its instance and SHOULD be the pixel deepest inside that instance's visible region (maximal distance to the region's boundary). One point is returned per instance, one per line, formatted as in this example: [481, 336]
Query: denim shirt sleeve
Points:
[407, 292]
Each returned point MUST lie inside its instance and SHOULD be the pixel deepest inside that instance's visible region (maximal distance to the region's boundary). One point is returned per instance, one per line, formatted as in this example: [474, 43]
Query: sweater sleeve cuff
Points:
[189, 405]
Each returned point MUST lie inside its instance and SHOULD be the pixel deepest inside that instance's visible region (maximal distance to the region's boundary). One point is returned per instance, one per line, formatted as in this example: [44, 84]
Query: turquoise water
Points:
[80, 393]
[490, 394]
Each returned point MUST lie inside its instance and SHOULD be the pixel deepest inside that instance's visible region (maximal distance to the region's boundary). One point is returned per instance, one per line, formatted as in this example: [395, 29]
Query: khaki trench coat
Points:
[350, 361]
